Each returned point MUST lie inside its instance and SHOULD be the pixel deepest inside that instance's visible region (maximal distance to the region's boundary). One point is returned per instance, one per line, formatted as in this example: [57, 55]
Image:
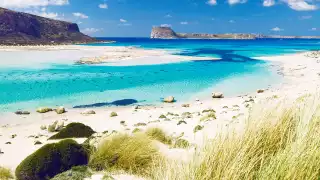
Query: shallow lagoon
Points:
[100, 85]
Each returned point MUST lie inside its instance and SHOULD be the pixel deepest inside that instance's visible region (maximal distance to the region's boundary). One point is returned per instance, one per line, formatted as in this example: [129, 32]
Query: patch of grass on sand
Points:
[76, 173]
[158, 134]
[132, 153]
[280, 141]
[5, 174]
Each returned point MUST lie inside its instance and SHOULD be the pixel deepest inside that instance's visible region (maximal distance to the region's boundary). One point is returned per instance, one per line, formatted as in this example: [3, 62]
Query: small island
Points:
[169, 33]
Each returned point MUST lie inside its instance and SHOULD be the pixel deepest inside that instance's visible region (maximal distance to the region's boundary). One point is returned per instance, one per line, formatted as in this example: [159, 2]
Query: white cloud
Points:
[168, 16]
[44, 13]
[277, 29]
[80, 15]
[231, 21]
[305, 17]
[123, 20]
[165, 25]
[313, 29]
[31, 3]
[184, 23]
[90, 30]
[301, 5]
[103, 6]
[233, 2]
[268, 3]
[212, 2]
[125, 24]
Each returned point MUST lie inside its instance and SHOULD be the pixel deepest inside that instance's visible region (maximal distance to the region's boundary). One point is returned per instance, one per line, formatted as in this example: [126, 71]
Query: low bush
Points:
[51, 160]
[74, 130]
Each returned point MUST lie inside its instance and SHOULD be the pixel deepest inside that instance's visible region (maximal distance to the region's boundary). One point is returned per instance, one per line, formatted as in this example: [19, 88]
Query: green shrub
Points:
[181, 122]
[113, 114]
[197, 128]
[162, 116]
[5, 174]
[209, 110]
[74, 130]
[133, 154]
[209, 116]
[159, 134]
[140, 124]
[136, 130]
[181, 143]
[51, 160]
[76, 173]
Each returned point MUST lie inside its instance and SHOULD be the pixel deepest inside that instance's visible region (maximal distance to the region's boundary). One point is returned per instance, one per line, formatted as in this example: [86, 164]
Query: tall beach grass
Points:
[280, 141]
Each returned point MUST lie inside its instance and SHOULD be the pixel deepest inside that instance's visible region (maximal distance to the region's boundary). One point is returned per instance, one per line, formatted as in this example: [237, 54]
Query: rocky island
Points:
[17, 28]
[169, 33]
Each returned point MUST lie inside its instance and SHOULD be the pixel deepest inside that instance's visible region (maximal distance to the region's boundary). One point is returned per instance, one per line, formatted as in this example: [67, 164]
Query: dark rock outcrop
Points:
[17, 28]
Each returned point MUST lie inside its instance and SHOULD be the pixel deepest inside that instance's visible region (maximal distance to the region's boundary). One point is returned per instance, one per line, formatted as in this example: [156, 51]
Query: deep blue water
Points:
[100, 85]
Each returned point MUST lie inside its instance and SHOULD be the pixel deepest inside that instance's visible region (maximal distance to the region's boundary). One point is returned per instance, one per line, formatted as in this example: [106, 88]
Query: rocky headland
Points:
[17, 28]
[169, 33]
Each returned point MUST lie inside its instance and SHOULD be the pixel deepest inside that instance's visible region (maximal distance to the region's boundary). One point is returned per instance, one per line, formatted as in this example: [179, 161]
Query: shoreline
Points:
[294, 85]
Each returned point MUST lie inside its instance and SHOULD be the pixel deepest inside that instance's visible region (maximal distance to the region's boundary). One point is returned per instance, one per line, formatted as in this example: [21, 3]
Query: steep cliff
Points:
[163, 33]
[22, 28]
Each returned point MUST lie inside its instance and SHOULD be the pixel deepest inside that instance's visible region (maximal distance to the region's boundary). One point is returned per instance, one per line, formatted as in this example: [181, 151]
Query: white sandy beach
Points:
[69, 54]
[301, 75]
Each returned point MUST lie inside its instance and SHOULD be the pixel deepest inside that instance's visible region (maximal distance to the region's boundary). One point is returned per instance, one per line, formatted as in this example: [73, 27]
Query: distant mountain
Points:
[168, 33]
[17, 28]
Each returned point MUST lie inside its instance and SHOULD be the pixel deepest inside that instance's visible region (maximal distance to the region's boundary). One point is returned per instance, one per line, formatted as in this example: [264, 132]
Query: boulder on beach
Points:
[260, 91]
[60, 110]
[169, 99]
[19, 112]
[74, 130]
[217, 95]
[185, 105]
[52, 159]
[56, 126]
[44, 110]
[88, 112]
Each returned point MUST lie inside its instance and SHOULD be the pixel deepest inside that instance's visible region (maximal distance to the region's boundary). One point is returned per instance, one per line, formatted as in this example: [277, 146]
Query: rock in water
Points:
[51, 160]
[169, 99]
[60, 110]
[44, 110]
[25, 29]
[260, 91]
[74, 130]
[217, 95]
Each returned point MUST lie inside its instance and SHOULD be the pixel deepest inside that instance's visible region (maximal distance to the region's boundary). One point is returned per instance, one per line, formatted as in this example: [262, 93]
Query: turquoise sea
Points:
[78, 86]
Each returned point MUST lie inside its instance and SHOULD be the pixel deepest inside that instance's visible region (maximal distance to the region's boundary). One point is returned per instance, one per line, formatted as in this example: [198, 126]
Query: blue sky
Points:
[135, 18]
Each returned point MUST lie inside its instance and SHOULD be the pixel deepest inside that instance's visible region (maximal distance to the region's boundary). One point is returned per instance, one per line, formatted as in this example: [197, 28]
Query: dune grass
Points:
[278, 142]
[159, 135]
[131, 153]
[5, 174]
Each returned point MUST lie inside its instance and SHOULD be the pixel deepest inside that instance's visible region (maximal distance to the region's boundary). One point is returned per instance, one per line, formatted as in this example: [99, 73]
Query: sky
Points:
[135, 18]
